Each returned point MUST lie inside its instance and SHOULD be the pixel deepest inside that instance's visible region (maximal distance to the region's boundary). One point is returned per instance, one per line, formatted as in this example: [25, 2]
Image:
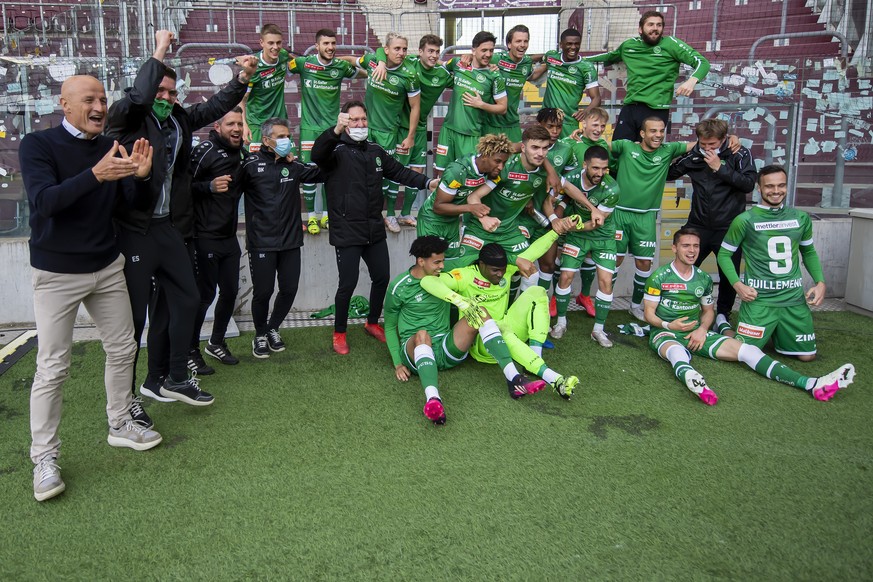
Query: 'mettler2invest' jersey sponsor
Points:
[771, 239]
[678, 297]
[320, 89]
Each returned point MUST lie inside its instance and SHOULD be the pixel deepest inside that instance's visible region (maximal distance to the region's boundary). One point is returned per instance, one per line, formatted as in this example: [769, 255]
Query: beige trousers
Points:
[56, 300]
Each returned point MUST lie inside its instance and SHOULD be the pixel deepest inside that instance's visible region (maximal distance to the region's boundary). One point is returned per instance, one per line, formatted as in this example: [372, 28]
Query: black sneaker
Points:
[260, 348]
[151, 387]
[197, 365]
[138, 413]
[188, 392]
[275, 341]
[221, 353]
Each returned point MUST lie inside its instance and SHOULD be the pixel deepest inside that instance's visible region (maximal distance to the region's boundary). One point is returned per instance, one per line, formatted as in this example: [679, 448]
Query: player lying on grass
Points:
[524, 324]
[416, 321]
[679, 299]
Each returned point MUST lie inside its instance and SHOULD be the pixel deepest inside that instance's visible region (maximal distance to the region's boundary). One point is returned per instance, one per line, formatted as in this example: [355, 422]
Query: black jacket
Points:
[272, 198]
[354, 172]
[718, 197]
[131, 118]
[215, 213]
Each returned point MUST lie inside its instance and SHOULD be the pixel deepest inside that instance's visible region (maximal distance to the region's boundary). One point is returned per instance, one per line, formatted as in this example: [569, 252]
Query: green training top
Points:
[486, 83]
[266, 96]
[408, 309]
[514, 77]
[508, 200]
[566, 82]
[387, 101]
[642, 174]
[678, 297]
[604, 196]
[320, 89]
[771, 240]
[459, 179]
[652, 70]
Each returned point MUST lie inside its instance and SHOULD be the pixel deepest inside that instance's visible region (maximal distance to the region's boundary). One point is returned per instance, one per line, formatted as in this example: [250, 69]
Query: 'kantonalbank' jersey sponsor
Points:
[678, 297]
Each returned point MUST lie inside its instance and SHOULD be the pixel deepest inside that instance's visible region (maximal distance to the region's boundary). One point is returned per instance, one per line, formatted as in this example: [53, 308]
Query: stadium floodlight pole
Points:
[840, 163]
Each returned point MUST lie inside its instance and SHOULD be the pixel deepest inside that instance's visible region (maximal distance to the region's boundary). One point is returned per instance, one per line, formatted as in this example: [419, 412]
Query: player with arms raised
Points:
[679, 300]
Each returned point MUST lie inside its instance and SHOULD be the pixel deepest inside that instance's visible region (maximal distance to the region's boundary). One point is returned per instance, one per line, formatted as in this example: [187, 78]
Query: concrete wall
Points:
[318, 278]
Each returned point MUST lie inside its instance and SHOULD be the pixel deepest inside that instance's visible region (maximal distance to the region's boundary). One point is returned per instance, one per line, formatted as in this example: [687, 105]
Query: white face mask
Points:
[358, 133]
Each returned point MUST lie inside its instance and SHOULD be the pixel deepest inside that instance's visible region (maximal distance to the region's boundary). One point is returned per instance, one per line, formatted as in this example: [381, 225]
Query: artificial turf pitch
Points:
[316, 466]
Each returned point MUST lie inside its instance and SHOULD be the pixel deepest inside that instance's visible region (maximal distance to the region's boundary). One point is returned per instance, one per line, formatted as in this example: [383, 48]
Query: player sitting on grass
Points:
[526, 320]
[679, 299]
[415, 321]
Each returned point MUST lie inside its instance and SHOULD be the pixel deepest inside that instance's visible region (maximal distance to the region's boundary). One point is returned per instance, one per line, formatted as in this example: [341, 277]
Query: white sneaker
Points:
[391, 224]
[558, 330]
[47, 482]
[638, 313]
[826, 386]
[133, 435]
[407, 220]
[600, 337]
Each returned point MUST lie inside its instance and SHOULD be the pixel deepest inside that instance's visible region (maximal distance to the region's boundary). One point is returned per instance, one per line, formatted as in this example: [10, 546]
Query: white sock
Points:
[528, 282]
[310, 216]
[538, 350]
[510, 371]
[676, 354]
[431, 392]
[636, 305]
[597, 327]
[750, 356]
[550, 376]
[562, 320]
[547, 277]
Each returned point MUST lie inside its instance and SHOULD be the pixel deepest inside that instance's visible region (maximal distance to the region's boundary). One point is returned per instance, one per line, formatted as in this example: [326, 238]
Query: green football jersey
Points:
[652, 70]
[514, 77]
[678, 297]
[388, 101]
[770, 240]
[581, 146]
[507, 201]
[642, 175]
[410, 308]
[567, 82]
[460, 178]
[561, 155]
[432, 83]
[320, 89]
[486, 83]
[604, 196]
[266, 96]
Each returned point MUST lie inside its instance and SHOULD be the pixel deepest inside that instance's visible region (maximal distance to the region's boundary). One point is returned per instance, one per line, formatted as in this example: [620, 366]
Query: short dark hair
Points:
[771, 169]
[328, 32]
[536, 132]
[171, 73]
[270, 29]
[483, 36]
[493, 254]
[424, 247]
[353, 103]
[684, 231]
[651, 118]
[429, 39]
[596, 153]
[570, 32]
[517, 28]
[550, 115]
[650, 14]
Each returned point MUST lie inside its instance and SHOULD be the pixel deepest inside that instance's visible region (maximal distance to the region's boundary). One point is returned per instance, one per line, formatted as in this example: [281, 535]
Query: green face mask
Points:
[162, 108]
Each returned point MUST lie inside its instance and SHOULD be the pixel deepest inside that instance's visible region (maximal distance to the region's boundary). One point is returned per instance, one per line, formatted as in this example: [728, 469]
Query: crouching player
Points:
[678, 299]
[487, 283]
[420, 338]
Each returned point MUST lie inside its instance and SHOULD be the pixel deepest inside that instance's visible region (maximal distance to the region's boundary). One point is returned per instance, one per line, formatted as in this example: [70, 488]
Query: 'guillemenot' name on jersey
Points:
[678, 297]
[771, 239]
